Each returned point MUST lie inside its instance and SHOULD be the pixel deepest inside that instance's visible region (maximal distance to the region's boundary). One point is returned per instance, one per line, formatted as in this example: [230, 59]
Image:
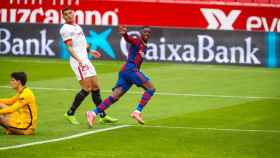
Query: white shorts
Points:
[82, 72]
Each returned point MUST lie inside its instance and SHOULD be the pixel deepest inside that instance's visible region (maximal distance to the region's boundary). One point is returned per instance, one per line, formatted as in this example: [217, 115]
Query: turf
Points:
[189, 97]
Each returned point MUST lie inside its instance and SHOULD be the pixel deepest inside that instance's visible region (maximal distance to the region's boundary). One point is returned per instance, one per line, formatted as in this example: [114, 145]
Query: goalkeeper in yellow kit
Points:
[18, 115]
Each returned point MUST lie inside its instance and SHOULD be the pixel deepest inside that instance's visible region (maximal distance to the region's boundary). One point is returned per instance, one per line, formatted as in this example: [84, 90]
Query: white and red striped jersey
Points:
[75, 33]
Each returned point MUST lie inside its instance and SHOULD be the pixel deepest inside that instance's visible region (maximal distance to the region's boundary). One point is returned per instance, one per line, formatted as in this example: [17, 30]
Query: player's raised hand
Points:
[122, 30]
[95, 54]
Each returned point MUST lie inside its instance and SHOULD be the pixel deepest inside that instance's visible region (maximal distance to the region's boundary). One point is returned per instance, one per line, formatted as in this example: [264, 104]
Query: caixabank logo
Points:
[15, 42]
[97, 41]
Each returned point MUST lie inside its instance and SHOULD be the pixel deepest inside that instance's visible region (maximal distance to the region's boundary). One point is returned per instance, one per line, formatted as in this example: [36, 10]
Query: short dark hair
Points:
[20, 76]
[65, 9]
[146, 28]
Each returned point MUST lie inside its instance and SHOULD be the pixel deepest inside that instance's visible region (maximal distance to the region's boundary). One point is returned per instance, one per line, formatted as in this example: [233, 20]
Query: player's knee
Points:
[89, 89]
[113, 98]
[86, 89]
[117, 93]
[116, 99]
[94, 86]
[94, 89]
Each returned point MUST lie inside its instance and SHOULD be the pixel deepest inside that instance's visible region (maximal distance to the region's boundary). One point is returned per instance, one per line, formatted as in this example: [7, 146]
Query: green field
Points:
[199, 111]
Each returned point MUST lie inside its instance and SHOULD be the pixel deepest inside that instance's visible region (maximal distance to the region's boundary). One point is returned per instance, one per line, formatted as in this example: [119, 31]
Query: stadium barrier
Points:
[166, 44]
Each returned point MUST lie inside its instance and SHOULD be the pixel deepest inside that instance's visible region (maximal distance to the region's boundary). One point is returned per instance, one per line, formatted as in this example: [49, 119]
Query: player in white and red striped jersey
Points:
[75, 40]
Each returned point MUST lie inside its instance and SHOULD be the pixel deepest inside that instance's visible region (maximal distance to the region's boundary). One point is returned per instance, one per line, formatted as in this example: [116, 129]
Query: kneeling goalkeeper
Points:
[18, 115]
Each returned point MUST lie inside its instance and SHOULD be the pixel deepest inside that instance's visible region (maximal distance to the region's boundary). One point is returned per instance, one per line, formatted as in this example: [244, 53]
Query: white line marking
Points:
[210, 129]
[140, 126]
[163, 93]
[63, 138]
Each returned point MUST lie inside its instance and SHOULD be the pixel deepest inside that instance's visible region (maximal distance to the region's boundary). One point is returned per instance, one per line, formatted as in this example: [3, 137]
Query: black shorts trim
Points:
[29, 125]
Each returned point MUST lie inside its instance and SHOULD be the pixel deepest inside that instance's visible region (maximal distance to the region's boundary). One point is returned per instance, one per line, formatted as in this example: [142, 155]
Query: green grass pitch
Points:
[199, 111]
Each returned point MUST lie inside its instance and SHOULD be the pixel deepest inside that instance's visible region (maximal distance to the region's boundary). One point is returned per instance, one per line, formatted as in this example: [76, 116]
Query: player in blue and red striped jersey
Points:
[130, 74]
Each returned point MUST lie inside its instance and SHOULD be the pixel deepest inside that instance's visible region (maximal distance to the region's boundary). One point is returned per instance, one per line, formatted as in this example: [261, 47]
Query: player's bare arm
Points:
[94, 53]
[73, 52]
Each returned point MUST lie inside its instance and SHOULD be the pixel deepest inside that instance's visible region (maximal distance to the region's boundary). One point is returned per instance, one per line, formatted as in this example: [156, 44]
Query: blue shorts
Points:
[128, 78]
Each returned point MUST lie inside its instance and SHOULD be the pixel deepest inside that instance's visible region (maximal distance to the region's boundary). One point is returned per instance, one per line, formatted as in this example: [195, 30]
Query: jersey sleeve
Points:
[66, 34]
[24, 99]
[130, 39]
[8, 101]
[12, 108]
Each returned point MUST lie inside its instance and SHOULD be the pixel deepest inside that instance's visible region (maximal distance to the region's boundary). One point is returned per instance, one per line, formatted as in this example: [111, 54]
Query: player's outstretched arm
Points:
[13, 107]
[8, 101]
[123, 32]
[94, 53]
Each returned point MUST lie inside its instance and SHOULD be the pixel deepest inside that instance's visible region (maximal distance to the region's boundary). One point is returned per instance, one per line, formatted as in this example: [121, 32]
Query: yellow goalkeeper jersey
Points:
[22, 109]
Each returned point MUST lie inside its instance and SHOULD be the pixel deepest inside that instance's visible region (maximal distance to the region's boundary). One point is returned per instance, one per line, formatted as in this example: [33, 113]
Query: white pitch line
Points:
[140, 126]
[210, 129]
[163, 93]
[63, 138]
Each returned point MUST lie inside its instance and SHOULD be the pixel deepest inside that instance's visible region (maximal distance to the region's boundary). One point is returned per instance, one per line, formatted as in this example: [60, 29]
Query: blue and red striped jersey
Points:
[136, 53]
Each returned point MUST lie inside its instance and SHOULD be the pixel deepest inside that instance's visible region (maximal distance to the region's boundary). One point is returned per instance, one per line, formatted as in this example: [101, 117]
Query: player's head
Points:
[146, 33]
[18, 79]
[68, 15]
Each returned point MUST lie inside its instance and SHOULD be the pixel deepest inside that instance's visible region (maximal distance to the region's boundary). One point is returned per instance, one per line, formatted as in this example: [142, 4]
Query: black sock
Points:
[77, 101]
[96, 98]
